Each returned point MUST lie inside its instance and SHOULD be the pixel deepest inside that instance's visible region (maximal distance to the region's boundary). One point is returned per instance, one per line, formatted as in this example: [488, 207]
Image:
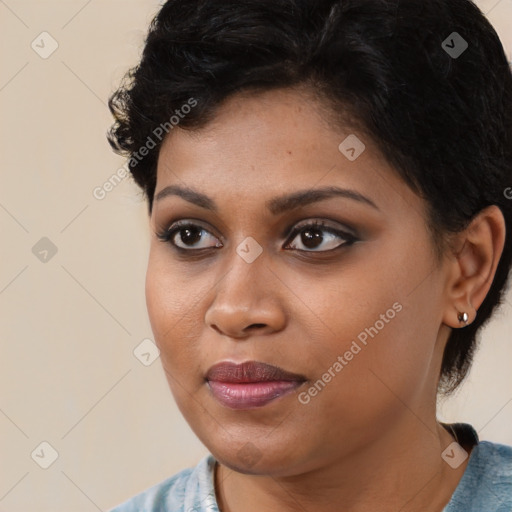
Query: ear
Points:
[473, 264]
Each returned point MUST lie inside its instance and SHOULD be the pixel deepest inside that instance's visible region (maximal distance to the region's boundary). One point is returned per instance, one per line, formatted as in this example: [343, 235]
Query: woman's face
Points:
[352, 307]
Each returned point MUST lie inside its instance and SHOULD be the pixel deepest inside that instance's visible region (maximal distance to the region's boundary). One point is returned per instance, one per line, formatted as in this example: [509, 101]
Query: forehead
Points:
[262, 145]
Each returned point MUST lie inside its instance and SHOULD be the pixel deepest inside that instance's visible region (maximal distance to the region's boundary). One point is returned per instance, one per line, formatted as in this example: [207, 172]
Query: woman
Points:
[327, 190]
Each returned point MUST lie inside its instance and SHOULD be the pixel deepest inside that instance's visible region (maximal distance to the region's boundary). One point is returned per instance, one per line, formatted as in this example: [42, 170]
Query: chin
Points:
[246, 458]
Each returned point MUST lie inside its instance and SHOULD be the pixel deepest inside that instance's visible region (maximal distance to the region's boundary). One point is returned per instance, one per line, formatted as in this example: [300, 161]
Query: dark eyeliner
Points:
[320, 225]
[166, 235]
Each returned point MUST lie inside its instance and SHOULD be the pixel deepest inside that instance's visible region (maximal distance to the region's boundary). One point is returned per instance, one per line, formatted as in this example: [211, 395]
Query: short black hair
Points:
[440, 112]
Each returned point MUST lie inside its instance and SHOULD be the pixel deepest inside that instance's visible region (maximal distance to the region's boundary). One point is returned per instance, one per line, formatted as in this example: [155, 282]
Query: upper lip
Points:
[249, 371]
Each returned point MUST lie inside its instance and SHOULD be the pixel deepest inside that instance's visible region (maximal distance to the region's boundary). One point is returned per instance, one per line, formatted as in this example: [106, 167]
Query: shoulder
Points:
[494, 453]
[495, 460]
[487, 480]
[190, 489]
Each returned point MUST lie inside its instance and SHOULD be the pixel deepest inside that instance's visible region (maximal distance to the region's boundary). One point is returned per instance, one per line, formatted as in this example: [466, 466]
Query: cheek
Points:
[377, 378]
[173, 314]
[384, 328]
[172, 304]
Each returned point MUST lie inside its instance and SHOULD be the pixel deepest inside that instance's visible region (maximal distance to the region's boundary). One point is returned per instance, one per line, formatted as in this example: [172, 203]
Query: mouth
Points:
[250, 384]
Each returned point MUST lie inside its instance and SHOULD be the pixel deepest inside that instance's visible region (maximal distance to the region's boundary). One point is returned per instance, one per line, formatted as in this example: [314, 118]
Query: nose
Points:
[246, 301]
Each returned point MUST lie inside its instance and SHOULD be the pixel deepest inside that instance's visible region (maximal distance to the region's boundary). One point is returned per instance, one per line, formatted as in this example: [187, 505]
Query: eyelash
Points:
[167, 236]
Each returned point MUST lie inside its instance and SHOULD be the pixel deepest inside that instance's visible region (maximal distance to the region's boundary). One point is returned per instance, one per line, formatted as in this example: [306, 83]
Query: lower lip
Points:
[248, 395]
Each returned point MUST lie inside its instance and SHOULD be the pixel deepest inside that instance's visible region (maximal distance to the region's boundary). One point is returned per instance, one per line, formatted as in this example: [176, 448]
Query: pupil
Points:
[192, 235]
[310, 237]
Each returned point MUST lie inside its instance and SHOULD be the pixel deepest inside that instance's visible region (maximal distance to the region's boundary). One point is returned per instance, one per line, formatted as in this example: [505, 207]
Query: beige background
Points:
[69, 325]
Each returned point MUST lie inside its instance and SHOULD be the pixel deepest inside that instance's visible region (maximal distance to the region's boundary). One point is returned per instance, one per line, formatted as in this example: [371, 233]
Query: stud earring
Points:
[463, 317]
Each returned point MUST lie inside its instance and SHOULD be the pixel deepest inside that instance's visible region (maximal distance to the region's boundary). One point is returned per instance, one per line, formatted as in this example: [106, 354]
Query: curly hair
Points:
[443, 120]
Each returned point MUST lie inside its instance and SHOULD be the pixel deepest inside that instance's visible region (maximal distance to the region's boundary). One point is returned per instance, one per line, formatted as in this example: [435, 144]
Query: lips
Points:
[250, 384]
[250, 371]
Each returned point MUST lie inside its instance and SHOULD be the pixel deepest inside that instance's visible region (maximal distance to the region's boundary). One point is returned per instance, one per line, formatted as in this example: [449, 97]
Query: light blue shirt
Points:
[486, 486]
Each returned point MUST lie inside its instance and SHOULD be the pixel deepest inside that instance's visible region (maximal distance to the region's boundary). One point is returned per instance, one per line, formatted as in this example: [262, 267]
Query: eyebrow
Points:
[276, 205]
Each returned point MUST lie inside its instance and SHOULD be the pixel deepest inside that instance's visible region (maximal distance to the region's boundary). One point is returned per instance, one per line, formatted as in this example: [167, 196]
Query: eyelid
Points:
[183, 223]
[322, 225]
[167, 234]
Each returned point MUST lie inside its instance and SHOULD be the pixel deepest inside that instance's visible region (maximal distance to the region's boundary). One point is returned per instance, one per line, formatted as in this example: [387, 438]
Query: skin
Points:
[369, 440]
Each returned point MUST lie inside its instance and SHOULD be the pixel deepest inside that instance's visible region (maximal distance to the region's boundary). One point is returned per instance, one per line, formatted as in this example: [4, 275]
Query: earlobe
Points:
[473, 267]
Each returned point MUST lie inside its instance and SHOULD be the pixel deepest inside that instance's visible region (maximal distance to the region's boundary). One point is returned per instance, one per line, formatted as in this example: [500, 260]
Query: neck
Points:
[402, 470]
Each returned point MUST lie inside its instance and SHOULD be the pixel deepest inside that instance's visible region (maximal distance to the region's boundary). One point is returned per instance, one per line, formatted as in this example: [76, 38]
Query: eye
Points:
[317, 237]
[312, 237]
[188, 236]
